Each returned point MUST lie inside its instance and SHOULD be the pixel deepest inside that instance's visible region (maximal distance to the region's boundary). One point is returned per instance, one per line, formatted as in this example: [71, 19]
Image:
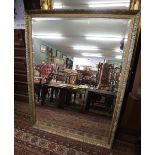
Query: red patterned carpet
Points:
[31, 141]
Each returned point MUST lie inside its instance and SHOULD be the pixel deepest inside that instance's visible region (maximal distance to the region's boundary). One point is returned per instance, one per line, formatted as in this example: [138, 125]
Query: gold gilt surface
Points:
[75, 136]
[131, 44]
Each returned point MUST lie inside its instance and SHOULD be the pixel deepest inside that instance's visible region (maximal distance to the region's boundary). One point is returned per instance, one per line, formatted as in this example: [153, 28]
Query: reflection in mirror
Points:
[122, 5]
[97, 4]
[77, 67]
[92, 4]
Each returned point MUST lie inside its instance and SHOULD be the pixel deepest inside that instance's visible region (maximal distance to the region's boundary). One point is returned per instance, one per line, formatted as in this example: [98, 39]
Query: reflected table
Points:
[94, 94]
[63, 93]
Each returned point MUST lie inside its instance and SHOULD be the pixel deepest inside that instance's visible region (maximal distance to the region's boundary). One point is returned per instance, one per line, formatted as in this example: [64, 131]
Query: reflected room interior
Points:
[77, 67]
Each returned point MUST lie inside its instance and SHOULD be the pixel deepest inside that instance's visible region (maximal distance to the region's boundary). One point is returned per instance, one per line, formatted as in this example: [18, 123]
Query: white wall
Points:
[87, 61]
[19, 22]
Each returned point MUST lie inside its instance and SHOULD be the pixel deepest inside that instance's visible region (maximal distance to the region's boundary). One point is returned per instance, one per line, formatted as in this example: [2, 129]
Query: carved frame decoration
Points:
[131, 44]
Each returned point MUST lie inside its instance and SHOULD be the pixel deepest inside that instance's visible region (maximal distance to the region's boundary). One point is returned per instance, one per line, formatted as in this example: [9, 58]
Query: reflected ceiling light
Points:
[129, 22]
[109, 4]
[90, 48]
[43, 19]
[48, 36]
[92, 54]
[111, 1]
[118, 50]
[126, 37]
[57, 6]
[102, 38]
[118, 57]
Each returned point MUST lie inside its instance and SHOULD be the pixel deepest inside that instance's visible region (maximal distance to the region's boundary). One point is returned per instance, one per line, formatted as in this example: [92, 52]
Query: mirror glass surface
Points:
[77, 67]
[92, 4]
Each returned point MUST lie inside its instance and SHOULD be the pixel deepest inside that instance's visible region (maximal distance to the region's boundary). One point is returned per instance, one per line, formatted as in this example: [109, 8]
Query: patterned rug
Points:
[31, 141]
[84, 127]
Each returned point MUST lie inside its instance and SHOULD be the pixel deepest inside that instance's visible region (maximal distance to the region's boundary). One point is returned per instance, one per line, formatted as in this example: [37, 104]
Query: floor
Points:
[31, 141]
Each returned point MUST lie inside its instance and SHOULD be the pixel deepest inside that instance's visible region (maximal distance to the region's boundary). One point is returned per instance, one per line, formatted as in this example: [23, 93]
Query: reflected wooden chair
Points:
[61, 78]
[84, 77]
[72, 78]
[37, 82]
[106, 79]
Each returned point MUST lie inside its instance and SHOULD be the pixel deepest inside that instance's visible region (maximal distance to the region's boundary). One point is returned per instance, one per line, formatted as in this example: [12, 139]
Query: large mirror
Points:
[78, 66]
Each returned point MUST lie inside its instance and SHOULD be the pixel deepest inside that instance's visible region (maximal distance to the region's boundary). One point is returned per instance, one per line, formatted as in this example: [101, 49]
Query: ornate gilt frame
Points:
[131, 44]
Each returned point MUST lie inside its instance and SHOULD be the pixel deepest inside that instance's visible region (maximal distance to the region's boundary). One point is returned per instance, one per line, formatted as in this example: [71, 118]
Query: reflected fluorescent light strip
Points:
[92, 54]
[109, 4]
[125, 39]
[118, 57]
[47, 36]
[110, 1]
[90, 48]
[118, 50]
[57, 6]
[43, 19]
[99, 38]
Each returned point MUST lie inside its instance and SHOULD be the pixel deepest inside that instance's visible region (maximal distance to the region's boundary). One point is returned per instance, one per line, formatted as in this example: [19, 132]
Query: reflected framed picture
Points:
[50, 52]
[54, 53]
[43, 48]
[59, 53]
